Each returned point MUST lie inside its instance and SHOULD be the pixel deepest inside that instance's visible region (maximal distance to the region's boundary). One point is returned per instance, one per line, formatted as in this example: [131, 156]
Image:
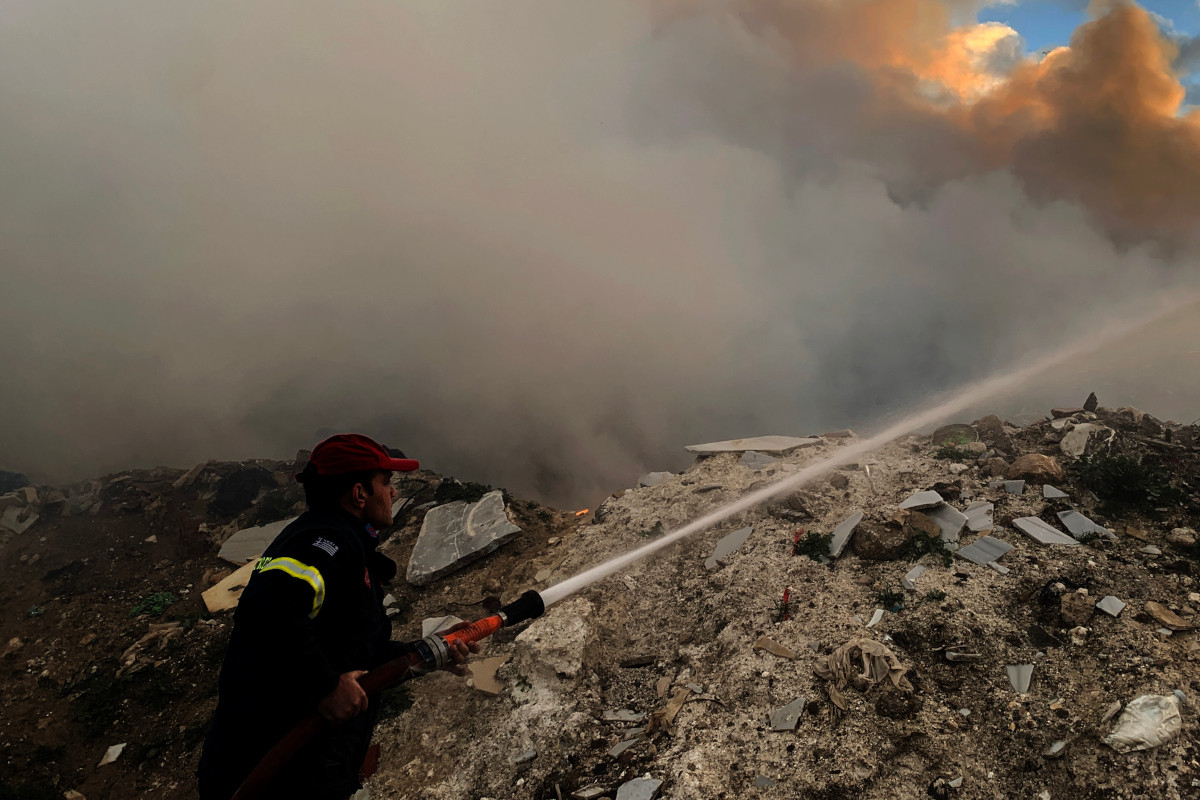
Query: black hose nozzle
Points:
[527, 606]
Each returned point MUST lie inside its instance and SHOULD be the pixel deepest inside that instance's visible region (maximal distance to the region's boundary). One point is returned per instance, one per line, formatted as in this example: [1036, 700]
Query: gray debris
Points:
[455, 534]
[922, 500]
[1079, 525]
[1110, 605]
[697, 688]
[1019, 676]
[1151, 550]
[909, 581]
[842, 533]
[621, 747]
[15, 521]
[763, 444]
[957, 782]
[878, 615]
[755, 460]
[763, 782]
[727, 546]
[786, 717]
[979, 516]
[654, 478]
[639, 789]
[251, 542]
[1051, 493]
[949, 519]
[589, 792]
[1000, 568]
[708, 487]
[985, 550]
[1055, 750]
[623, 715]
[526, 757]
[1014, 487]
[1075, 442]
[1034, 528]
[995, 484]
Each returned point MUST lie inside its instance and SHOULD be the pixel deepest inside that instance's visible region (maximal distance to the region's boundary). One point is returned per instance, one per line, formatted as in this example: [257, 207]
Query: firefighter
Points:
[309, 623]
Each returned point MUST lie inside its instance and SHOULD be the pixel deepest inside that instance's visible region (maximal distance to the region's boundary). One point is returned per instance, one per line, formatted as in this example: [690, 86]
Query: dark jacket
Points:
[312, 610]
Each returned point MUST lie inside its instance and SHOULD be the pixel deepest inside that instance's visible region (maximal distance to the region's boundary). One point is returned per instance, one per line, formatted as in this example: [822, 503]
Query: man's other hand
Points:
[346, 700]
[460, 651]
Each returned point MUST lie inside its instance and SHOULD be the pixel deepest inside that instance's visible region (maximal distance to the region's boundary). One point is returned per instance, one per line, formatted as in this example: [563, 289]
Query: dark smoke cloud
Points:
[544, 245]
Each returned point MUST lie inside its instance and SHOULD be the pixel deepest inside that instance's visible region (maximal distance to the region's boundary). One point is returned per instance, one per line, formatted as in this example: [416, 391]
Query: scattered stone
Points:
[1038, 530]
[1168, 618]
[998, 568]
[979, 516]
[589, 793]
[1051, 493]
[786, 717]
[727, 546]
[1151, 550]
[455, 534]
[639, 789]
[839, 481]
[238, 490]
[621, 747]
[1091, 404]
[909, 581]
[975, 448]
[1074, 443]
[624, 715]
[708, 487]
[955, 783]
[842, 534]
[1019, 676]
[1037, 468]
[1063, 413]
[949, 519]
[1110, 605]
[996, 467]
[1014, 487]
[112, 754]
[1081, 526]
[763, 782]
[526, 757]
[251, 542]
[763, 444]
[881, 542]
[773, 647]
[1182, 536]
[1055, 750]
[755, 460]
[1076, 609]
[654, 479]
[958, 469]
[984, 550]
[543, 575]
[922, 500]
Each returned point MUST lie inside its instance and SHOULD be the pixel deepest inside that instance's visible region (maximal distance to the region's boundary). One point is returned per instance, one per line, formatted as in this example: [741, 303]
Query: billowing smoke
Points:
[544, 244]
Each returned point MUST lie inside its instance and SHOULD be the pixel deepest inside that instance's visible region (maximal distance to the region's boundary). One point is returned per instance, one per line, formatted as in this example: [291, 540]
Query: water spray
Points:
[428, 654]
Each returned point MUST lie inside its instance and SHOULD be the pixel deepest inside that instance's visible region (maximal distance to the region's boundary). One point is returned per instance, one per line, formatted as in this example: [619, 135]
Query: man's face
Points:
[378, 508]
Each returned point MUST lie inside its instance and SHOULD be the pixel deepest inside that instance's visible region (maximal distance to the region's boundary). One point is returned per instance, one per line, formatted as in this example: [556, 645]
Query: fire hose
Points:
[428, 654]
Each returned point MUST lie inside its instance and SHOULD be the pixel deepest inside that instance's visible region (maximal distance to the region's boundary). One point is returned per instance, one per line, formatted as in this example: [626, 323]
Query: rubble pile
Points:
[992, 610]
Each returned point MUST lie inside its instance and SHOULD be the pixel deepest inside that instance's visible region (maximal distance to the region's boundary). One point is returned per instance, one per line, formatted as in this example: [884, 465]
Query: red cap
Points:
[353, 452]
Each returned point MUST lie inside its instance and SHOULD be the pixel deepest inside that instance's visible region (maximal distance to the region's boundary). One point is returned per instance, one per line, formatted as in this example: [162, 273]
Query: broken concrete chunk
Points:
[984, 550]
[763, 444]
[756, 460]
[623, 715]
[250, 542]
[654, 479]
[18, 520]
[639, 789]
[1110, 605]
[979, 516]
[1014, 487]
[1051, 493]
[949, 519]
[909, 581]
[786, 717]
[1036, 529]
[1079, 525]
[922, 500]
[727, 546]
[773, 647]
[455, 534]
[842, 533]
[1019, 676]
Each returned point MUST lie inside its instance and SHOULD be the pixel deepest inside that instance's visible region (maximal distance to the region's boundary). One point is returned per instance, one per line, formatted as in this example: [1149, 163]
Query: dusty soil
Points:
[666, 627]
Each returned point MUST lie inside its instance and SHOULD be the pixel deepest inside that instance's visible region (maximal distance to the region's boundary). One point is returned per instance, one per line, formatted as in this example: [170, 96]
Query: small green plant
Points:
[652, 532]
[889, 598]
[811, 544]
[1087, 537]
[154, 605]
[932, 546]
[934, 596]
[1126, 484]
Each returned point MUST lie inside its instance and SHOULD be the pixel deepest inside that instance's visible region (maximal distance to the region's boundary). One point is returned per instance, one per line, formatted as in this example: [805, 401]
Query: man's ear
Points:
[359, 495]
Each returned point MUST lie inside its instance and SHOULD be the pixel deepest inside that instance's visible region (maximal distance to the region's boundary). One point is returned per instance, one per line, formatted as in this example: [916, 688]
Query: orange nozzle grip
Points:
[479, 629]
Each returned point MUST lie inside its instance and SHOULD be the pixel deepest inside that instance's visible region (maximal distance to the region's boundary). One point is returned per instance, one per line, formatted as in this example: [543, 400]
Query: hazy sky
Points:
[545, 244]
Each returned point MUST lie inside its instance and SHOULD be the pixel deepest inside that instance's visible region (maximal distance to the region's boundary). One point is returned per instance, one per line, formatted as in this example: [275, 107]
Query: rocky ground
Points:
[666, 649]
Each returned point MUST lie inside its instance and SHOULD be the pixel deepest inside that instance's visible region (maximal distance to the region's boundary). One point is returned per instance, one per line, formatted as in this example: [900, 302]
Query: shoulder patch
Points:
[324, 544]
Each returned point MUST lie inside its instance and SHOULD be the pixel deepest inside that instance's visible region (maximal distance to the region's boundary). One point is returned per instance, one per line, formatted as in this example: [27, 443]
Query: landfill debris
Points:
[763, 444]
[1055, 750]
[1151, 550]
[909, 580]
[432, 625]
[226, 593]
[955, 783]
[949, 519]
[1110, 605]
[624, 715]
[775, 648]
[998, 568]
[158, 637]
[1014, 487]
[956, 656]
[639, 789]
[1148, 721]
[979, 516]
[1111, 711]
[654, 479]
[1019, 676]
[1081, 526]
[112, 754]
[248, 544]
[842, 668]
[785, 718]
[1051, 493]
[984, 550]
[922, 500]
[525, 757]
[18, 520]
[589, 793]
[456, 534]
[753, 459]
[1040, 531]
[878, 615]
[763, 782]
[622, 746]
[1168, 618]
[842, 533]
[1035, 467]
[727, 546]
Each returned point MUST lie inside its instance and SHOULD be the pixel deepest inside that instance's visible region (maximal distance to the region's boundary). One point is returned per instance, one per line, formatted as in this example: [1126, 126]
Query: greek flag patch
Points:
[324, 544]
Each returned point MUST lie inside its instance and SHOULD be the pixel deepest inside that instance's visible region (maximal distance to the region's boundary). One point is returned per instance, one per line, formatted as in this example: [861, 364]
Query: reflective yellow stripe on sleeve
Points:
[310, 575]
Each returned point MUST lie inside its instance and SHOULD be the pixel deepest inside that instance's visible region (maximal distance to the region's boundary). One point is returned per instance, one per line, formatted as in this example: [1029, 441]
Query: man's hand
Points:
[460, 651]
[346, 700]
